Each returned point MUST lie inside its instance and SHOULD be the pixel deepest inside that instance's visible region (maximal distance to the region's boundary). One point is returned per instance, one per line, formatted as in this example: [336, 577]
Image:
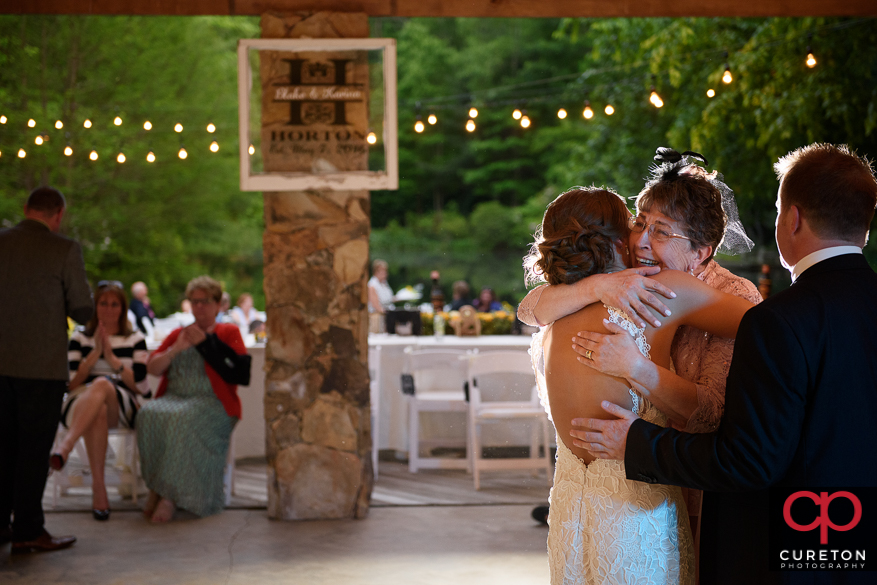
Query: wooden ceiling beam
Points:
[446, 8]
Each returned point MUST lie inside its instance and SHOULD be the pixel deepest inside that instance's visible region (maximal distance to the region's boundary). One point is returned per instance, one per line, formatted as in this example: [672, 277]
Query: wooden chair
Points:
[438, 377]
[512, 397]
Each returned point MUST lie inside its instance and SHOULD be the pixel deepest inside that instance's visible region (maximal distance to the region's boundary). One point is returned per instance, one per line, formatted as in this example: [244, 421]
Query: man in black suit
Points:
[42, 282]
[802, 386]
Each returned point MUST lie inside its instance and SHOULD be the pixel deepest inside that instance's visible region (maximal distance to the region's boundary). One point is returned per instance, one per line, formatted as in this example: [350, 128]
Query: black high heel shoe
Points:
[101, 515]
[57, 461]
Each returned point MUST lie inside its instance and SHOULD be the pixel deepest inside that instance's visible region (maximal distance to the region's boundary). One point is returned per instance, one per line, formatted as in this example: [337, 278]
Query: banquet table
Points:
[393, 405]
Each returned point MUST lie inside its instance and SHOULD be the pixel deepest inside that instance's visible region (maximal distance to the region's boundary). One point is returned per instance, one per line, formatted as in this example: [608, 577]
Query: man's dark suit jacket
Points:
[141, 311]
[42, 282]
[800, 411]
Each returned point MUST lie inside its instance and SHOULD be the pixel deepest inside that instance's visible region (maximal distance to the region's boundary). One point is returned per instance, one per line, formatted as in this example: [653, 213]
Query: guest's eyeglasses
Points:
[656, 233]
[114, 283]
[204, 302]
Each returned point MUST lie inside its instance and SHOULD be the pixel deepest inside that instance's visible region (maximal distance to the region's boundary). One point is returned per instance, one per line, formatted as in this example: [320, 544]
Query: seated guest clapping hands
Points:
[107, 361]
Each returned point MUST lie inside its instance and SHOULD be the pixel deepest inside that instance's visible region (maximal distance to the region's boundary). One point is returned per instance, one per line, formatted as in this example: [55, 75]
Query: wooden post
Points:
[315, 246]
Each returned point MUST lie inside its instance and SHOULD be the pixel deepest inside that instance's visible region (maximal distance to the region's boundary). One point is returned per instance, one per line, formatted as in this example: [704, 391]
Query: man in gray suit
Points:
[42, 282]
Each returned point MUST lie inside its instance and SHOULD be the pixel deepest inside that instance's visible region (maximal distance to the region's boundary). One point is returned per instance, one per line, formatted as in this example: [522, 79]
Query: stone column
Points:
[315, 246]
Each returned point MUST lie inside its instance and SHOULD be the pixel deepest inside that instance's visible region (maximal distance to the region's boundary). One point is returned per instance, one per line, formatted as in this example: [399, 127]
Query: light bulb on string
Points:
[121, 158]
[470, 125]
[38, 140]
[31, 123]
[710, 93]
[59, 124]
[432, 119]
[525, 119]
[2, 119]
[150, 157]
[214, 146]
[609, 109]
[93, 155]
[418, 125]
[251, 150]
[117, 121]
[517, 114]
[473, 112]
[588, 113]
[726, 76]
[86, 123]
[561, 113]
[178, 127]
[655, 98]
[811, 60]
[68, 150]
[21, 153]
[147, 125]
[372, 138]
[182, 153]
[211, 128]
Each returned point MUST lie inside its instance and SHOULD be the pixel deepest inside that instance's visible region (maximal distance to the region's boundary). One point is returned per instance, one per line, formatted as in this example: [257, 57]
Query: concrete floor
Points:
[410, 545]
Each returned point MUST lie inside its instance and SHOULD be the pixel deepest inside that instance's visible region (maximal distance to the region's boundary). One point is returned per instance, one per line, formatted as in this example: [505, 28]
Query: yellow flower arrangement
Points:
[495, 323]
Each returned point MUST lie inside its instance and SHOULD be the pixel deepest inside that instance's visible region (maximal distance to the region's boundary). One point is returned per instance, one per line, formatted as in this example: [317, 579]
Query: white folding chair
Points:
[438, 378]
[374, 373]
[125, 471]
[512, 396]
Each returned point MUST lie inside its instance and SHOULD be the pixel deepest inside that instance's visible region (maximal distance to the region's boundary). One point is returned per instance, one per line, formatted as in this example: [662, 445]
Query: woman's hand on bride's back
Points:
[633, 292]
[615, 354]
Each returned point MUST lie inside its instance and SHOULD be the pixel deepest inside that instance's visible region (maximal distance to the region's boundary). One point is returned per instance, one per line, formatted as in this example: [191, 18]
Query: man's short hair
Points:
[46, 200]
[834, 188]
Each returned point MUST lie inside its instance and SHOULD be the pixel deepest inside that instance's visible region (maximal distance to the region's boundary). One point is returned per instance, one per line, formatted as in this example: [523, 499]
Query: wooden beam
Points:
[447, 8]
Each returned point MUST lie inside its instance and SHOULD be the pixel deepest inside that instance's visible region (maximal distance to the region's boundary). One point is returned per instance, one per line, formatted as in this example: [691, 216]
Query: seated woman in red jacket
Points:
[184, 434]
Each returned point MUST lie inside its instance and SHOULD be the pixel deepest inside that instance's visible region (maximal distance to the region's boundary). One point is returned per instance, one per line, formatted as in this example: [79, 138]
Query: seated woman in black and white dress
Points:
[107, 361]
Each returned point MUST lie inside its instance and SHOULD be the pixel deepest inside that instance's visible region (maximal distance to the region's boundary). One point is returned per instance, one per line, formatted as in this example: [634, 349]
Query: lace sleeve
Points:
[527, 308]
[537, 358]
[716, 358]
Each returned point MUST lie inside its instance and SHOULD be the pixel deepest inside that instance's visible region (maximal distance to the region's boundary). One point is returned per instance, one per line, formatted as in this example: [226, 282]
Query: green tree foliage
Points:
[163, 222]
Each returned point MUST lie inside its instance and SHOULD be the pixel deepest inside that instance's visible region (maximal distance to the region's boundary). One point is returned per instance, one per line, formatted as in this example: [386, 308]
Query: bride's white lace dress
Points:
[604, 528]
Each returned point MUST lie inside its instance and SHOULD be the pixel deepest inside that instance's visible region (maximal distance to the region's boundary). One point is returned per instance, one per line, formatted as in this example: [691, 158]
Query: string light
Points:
[117, 121]
[150, 157]
[31, 123]
[251, 150]
[2, 119]
[656, 99]
[525, 120]
[609, 109]
[811, 60]
[87, 123]
[372, 138]
[93, 155]
[147, 125]
[38, 140]
[68, 150]
[710, 93]
[120, 158]
[178, 128]
[59, 124]
[517, 114]
[588, 113]
[214, 146]
[432, 119]
[211, 128]
[473, 112]
[21, 153]
[182, 154]
[561, 113]
[418, 125]
[470, 125]
[726, 76]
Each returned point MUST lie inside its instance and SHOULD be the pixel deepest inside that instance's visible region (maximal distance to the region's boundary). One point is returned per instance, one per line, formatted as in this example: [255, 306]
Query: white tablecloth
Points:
[393, 427]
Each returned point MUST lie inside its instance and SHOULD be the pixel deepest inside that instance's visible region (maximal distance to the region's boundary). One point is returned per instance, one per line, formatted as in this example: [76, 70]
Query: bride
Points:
[603, 527]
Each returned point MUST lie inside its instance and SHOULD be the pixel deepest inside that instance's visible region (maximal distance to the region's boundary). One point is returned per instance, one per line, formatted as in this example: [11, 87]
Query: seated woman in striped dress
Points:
[107, 362]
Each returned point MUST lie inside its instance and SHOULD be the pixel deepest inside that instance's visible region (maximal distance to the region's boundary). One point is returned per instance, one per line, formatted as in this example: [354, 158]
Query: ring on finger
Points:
[589, 354]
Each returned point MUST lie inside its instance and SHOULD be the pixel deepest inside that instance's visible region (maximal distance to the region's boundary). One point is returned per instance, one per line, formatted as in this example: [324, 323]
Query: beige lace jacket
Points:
[697, 356]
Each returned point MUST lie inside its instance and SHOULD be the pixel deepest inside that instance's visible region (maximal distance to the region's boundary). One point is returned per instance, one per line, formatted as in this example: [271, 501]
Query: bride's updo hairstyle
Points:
[577, 237]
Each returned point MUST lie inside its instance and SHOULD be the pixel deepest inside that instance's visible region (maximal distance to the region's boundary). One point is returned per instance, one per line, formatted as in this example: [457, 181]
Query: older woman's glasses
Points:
[114, 283]
[656, 232]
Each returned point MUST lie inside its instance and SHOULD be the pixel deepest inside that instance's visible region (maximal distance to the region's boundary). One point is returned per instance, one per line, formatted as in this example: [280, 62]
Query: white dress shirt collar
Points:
[820, 255]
